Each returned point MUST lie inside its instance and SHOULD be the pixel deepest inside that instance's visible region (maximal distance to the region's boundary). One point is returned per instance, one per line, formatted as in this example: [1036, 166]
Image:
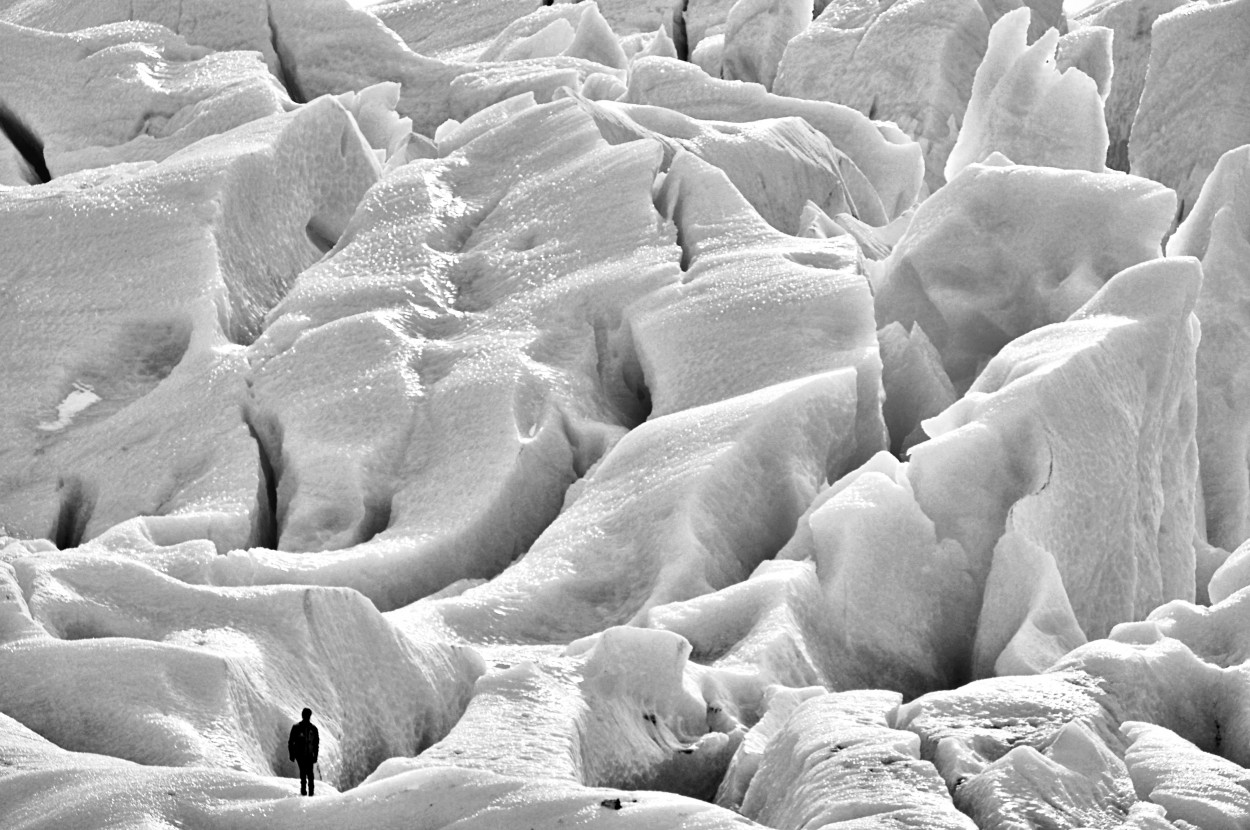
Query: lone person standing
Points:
[303, 748]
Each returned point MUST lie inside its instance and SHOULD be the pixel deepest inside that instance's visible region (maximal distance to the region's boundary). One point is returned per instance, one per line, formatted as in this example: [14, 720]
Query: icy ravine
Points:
[590, 437]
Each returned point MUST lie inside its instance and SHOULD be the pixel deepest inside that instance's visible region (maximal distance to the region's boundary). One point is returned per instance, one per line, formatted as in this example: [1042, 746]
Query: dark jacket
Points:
[303, 742]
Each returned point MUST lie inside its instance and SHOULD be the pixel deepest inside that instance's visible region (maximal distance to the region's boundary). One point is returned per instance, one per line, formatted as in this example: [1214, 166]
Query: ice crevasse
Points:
[710, 414]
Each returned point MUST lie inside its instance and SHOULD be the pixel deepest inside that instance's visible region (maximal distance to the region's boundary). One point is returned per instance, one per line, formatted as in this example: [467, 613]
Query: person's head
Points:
[307, 713]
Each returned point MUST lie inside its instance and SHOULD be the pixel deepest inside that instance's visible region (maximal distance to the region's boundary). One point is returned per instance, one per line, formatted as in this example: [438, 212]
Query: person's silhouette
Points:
[303, 748]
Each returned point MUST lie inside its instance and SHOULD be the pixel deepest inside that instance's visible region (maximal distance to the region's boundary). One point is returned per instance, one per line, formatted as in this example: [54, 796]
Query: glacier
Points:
[798, 414]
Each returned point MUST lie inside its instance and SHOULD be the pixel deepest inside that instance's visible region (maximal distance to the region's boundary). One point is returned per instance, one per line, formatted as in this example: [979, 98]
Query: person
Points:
[302, 746]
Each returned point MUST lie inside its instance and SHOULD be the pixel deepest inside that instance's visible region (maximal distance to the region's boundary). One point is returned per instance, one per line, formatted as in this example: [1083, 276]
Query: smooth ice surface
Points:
[1004, 249]
[706, 19]
[1113, 502]
[911, 62]
[756, 34]
[1231, 576]
[1023, 107]
[1131, 22]
[916, 386]
[901, 602]
[1089, 50]
[1217, 231]
[1195, 104]
[1026, 621]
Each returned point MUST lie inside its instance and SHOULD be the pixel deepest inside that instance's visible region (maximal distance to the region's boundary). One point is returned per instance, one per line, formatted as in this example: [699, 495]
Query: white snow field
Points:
[800, 414]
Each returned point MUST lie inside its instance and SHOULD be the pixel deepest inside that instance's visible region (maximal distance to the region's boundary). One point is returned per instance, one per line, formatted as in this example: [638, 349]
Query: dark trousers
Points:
[305, 775]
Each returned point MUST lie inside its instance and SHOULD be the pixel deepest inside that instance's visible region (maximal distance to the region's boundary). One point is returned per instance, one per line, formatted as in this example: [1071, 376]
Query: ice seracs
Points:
[1026, 621]
[1131, 22]
[1193, 102]
[1193, 786]
[594, 411]
[973, 271]
[156, 671]
[756, 35]
[490, 329]
[1217, 231]
[915, 384]
[807, 299]
[890, 163]
[129, 335]
[563, 29]
[900, 601]
[772, 628]
[909, 62]
[777, 164]
[1074, 781]
[242, 26]
[1120, 550]
[1024, 108]
[653, 522]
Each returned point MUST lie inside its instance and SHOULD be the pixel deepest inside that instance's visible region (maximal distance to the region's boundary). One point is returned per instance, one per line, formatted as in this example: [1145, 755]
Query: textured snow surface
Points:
[804, 414]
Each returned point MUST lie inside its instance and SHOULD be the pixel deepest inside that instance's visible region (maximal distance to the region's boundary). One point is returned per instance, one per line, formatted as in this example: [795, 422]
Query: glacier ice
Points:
[416, 298]
[1131, 22]
[1193, 101]
[890, 163]
[777, 164]
[756, 34]
[1121, 550]
[1217, 231]
[1023, 107]
[638, 532]
[910, 62]
[915, 384]
[141, 666]
[837, 759]
[456, 32]
[973, 272]
[1026, 621]
[161, 271]
[127, 92]
[612, 413]
[1192, 785]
